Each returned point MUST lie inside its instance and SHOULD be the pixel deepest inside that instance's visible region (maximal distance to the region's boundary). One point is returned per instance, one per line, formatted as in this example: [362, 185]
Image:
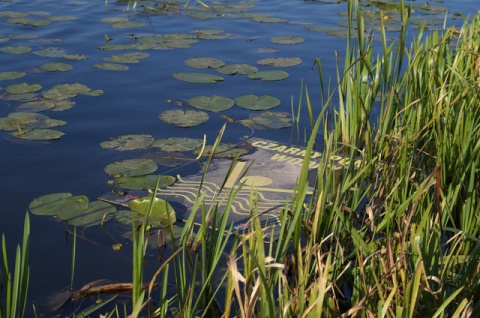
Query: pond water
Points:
[133, 99]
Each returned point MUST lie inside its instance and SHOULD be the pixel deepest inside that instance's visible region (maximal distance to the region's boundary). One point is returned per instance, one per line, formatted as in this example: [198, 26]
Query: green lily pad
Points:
[93, 214]
[111, 66]
[25, 121]
[13, 14]
[114, 20]
[35, 106]
[118, 47]
[61, 105]
[23, 88]
[128, 25]
[162, 212]
[144, 182]
[269, 76]
[54, 204]
[77, 57]
[267, 19]
[59, 67]
[287, 40]
[125, 217]
[212, 34]
[202, 15]
[272, 120]
[51, 52]
[184, 118]
[26, 97]
[56, 95]
[280, 61]
[16, 49]
[128, 142]
[254, 102]
[211, 103]
[204, 62]
[29, 22]
[4, 38]
[128, 58]
[224, 150]
[131, 167]
[200, 78]
[4, 76]
[61, 18]
[39, 134]
[232, 69]
[175, 144]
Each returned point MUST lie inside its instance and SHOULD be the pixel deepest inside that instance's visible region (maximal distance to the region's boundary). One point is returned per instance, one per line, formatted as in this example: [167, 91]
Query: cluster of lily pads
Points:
[78, 211]
[27, 123]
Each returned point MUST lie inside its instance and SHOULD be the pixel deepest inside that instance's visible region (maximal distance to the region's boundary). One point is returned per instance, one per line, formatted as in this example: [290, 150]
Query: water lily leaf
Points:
[184, 118]
[264, 50]
[131, 167]
[61, 18]
[269, 76]
[128, 142]
[25, 121]
[95, 213]
[232, 69]
[75, 88]
[118, 47]
[125, 217]
[27, 97]
[127, 25]
[61, 105]
[175, 144]
[212, 34]
[202, 15]
[23, 88]
[36, 106]
[29, 22]
[224, 150]
[272, 119]
[39, 134]
[128, 58]
[51, 52]
[204, 62]
[52, 203]
[59, 67]
[111, 66]
[280, 61]
[13, 14]
[144, 182]
[57, 95]
[10, 75]
[77, 57]
[162, 212]
[287, 40]
[254, 102]
[201, 78]
[16, 49]
[211, 103]
[267, 19]
[114, 20]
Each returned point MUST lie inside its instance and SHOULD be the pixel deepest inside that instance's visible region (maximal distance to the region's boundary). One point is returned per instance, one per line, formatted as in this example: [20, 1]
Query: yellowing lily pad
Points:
[280, 61]
[269, 76]
[162, 212]
[272, 119]
[287, 40]
[23, 88]
[16, 49]
[59, 67]
[128, 142]
[111, 66]
[4, 76]
[232, 69]
[204, 62]
[131, 167]
[184, 118]
[144, 182]
[211, 103]
[254, 102]
[175, 144]
[200, 78]
[39, 134]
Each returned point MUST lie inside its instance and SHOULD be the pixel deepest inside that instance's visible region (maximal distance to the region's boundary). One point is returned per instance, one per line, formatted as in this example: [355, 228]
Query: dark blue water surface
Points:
[131, 103]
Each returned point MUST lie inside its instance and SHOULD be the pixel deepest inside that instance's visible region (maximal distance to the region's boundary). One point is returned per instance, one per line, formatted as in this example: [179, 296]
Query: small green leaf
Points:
[10, 75]
[131, 168]
[253, 102]
[280, 61]
[200, 78]
[211, 103]
[287, 40]
[59, 67]
[232, 69]
[111, 66]
[23, 88]
[175, 144]
[39, 134]
[204, 62]
[184, 118]
[144, 182]
[269, 76]
[128, 142]
[15, 49]
[272, 119]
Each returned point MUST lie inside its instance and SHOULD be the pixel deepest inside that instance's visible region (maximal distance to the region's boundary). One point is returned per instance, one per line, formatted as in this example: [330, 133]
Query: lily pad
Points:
[280, 61]
[175, 144]
[36, 106]
[95, 213]
[16, 49]
[131, 167]
[114, 20]
[184, 118]
[77, 57]
[128, 58]
[39, 134]
[224, 150]
[162, 212]
[212, 34]
[26, 97]
[51, 52]
[111, 66]
[4, 76]
[232, 69]
[287, 40]
[204, 62]
[25, 121]
[200, 78]
[144, 182]
[272, 120]
[267, 19]
[128, 142]
[52, 204]
[254, 102]
[59, 67]
[128, 25]
[29, 22]
[269, 76]
[211, 103]
[23, 88]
